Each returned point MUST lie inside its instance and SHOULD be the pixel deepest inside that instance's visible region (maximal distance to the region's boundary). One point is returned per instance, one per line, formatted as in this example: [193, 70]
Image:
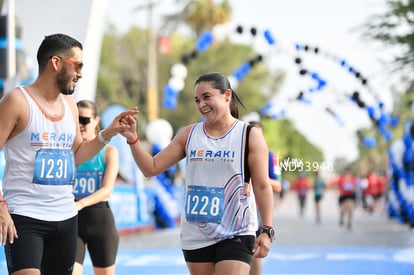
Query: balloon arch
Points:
[401, 193]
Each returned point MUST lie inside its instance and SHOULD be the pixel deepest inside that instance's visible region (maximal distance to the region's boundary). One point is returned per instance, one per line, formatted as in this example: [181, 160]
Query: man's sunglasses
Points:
[78, 66]
[84, 120]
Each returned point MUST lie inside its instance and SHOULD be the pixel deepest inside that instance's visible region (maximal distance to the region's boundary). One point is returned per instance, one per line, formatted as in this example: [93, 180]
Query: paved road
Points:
[369, 230]
[375, 245]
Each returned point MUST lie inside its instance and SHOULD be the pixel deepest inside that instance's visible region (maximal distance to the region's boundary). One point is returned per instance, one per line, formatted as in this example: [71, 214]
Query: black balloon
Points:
[253, 31]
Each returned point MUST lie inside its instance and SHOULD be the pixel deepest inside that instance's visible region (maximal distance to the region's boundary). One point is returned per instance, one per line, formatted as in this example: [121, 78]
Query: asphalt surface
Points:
[376, 245]
[368, 229]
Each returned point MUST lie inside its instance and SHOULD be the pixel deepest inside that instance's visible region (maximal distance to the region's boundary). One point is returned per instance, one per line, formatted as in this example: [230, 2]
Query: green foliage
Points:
[396, 28]
[392, 28]
[284, 140]
[122, 73]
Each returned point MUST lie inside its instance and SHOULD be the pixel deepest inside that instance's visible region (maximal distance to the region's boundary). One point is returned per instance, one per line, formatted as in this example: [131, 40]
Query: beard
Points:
[63, 82]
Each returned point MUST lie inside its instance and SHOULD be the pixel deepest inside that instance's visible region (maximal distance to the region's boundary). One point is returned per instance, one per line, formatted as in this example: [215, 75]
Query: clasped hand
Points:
[261, 246]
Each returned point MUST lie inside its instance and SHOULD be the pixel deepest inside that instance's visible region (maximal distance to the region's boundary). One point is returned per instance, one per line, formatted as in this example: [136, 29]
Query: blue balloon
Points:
[170, 91]
[321, 84]
[241, 72]
[371, 111]
[315, 76]
[388, 136]
[369, 142]
[245, 68]
[170, 102]
[384, 119]
[269, 37]
[394, 121]
[204, 41]
[268, 106]
[305, 100]
[156, 148]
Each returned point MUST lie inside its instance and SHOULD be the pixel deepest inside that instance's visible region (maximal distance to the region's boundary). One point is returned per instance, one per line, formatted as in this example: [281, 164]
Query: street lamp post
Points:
[152, 87]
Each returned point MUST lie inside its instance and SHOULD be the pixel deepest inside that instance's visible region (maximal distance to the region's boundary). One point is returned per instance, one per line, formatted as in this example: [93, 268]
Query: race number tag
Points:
[54, 167]
[348, 186]
[87, 182]
[204, 204]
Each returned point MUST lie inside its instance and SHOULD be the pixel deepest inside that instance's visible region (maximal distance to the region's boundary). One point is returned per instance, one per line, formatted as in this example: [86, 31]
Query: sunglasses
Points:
[84, 120]
[78, 66]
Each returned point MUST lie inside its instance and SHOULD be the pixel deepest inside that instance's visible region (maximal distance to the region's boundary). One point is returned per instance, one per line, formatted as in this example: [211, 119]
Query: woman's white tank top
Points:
[217, 206]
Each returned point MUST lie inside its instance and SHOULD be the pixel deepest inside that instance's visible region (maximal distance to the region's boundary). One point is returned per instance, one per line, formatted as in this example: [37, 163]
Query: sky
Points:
[333, 27]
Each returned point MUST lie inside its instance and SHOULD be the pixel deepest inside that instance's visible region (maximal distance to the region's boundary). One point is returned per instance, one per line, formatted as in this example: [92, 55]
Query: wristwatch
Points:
[269, 231]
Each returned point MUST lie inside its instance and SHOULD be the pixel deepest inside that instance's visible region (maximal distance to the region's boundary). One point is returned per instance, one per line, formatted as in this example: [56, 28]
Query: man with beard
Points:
[42, 146]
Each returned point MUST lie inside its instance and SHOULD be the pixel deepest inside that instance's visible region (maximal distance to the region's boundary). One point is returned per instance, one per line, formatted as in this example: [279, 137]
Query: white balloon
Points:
[234, 83]
[230, 27]
[177, 83]
[179, 70]
[220, 32]
[158, 131]
[253, 116]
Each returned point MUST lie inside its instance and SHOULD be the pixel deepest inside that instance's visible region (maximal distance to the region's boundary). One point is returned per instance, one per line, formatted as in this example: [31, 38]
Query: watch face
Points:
[269, 231]
[272, 232]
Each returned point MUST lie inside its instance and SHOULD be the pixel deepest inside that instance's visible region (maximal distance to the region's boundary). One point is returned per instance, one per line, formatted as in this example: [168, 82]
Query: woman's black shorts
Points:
[239, 248]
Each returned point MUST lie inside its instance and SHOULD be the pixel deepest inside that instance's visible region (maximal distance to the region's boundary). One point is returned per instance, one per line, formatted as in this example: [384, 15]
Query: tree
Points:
[200, 15]
[396, 28]
[122, 73]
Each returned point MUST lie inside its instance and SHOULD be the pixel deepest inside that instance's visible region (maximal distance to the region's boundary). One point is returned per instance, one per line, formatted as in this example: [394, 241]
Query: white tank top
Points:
[218, 203]
[40, 166]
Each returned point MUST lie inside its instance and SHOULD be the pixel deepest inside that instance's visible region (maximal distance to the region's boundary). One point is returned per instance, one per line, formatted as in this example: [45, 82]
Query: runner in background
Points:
[301, 185]
[348, 187]
[95, 180]
[318, 191]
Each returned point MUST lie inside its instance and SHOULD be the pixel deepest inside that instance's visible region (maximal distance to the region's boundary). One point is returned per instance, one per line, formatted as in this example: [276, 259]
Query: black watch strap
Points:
[269, 231]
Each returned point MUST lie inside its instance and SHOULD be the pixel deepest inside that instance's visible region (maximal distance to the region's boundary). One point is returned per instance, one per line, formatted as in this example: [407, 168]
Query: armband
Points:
[101, 138]
[134, 141]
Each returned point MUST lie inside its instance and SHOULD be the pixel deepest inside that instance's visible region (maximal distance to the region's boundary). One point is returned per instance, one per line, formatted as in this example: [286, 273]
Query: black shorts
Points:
[44, 245]
[343, 198]
[239, 248]
[97, 230]
[318, 198]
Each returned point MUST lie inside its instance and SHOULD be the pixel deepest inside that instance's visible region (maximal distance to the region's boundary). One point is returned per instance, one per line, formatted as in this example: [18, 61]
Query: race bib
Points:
[348, 186]
[204, 204]
[87, 182]
[54, 167]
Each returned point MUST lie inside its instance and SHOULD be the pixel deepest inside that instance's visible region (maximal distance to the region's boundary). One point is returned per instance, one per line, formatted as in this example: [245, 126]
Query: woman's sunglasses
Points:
[84, 120]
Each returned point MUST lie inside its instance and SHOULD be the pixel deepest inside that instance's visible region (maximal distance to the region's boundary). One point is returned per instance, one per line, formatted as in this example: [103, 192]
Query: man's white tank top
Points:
[218, 203]
[40, 166]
